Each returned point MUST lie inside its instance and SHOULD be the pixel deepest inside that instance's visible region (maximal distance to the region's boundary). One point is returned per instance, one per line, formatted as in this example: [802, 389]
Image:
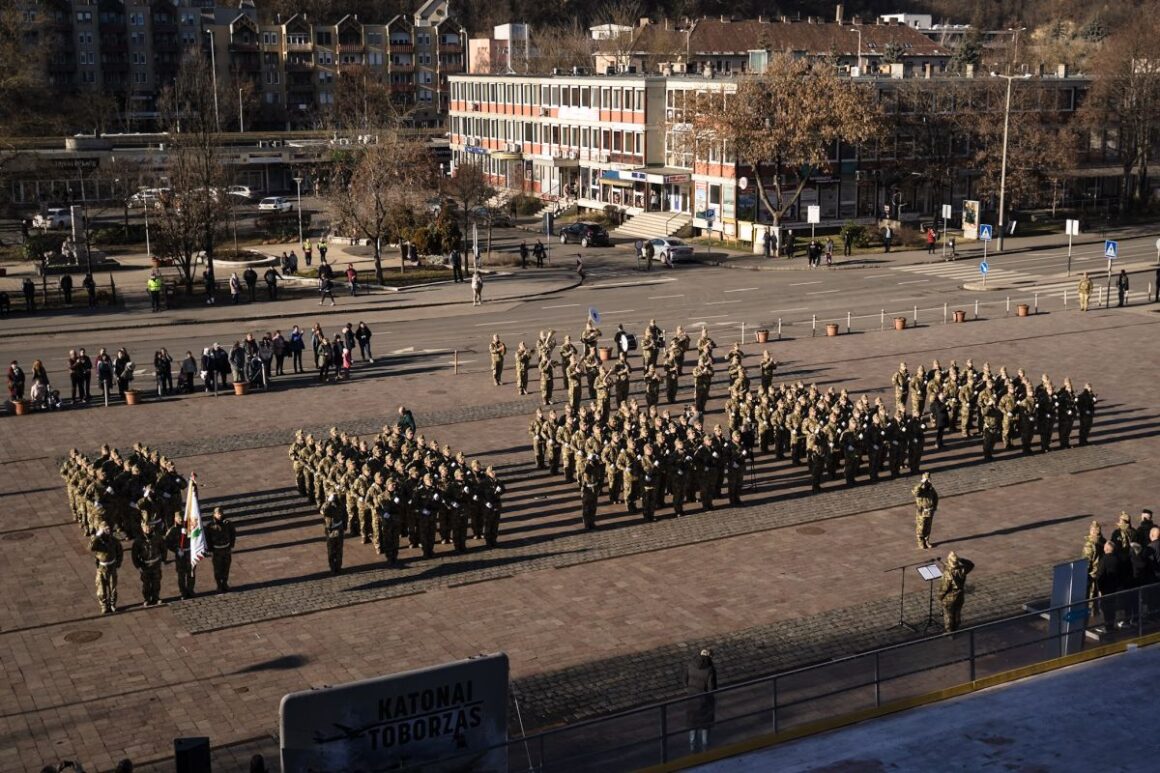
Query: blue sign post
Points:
[984, 267]
[1111, 249]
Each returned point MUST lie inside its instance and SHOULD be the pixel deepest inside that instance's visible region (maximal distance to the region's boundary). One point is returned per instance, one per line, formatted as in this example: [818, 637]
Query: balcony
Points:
[409, 67]
[351, 47]
[401, 46]
[242, 47]
[398, 88]
[298, 65]
[300, 47]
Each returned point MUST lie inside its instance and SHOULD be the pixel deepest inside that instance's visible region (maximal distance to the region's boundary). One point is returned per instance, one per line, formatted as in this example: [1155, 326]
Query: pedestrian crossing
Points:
[1016, 281]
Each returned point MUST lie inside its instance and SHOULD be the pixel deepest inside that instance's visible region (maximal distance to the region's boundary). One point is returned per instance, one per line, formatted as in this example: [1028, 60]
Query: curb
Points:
[321, 312]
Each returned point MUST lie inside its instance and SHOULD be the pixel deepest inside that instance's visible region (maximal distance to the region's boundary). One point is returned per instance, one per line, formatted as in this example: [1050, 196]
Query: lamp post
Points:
[1003, 166]
[241, 114]
[298, 182]
[213, 67]
[859, 31]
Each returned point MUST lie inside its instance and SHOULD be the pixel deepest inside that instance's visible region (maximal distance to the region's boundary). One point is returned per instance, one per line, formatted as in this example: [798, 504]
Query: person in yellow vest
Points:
[322, 248]
[307, 248]
[154, 288]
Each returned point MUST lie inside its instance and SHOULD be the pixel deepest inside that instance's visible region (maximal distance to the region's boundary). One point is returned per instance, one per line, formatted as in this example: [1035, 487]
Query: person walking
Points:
[235, 289]
[363, 334]
[701, 705]
[271, 277]
[476, 288]
[325, 290]
[456, 265]
[29, 290]
[15, 382]
[930, 240]
[352, 279]
[1122, 287]
[580, 267]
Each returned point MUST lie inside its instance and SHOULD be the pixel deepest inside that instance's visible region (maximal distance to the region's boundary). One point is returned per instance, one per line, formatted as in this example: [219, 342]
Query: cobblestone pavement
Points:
[211, 612]
[591, 622]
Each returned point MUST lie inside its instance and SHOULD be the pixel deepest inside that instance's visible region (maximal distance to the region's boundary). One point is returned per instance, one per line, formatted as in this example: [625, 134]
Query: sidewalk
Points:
[973, 250]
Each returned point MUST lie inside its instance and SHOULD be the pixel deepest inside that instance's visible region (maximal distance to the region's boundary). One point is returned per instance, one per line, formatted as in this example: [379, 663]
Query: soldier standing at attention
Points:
[547, 380]
[109, 554]
[177, 543]
[652, 386]
[702, 378]
[706, 463]
[1085, 291]
[334, 526]
[523, 360]
[901, 381]
[590, 481]
[925, 504]
[493, 490]
[498, 351]
[990, 419]
[221, 536]
[148, 554]
[952, 590]
[672, 376]
[390, 511]
[738, 458]
[1086, 404]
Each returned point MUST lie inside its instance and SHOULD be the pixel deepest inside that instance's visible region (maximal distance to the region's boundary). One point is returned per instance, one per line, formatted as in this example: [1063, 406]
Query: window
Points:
[375, 58]
[84, 17]
[272, 77]
[271, 97]
[325, 57]
[323, 38]
[136, 20]
[140, 78]
[325, 98]
[187, 19]
[137, 38]
[270, 38]
[297, 39]
[616, 99]
[88, 76]
[85, 38]
[374, 38]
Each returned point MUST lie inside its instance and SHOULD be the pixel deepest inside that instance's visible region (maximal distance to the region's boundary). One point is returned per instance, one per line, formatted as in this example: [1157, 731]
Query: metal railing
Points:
[659, 733]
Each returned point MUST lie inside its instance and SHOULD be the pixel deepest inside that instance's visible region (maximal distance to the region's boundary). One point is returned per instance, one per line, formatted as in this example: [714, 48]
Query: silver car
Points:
[670, 250]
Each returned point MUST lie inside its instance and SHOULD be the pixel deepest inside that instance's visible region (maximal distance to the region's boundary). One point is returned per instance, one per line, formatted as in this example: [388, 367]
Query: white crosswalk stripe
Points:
[964, 271]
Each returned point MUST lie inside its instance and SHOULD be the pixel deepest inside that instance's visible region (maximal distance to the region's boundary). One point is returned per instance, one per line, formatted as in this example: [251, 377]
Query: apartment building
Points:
[130, 50]
[627, 140]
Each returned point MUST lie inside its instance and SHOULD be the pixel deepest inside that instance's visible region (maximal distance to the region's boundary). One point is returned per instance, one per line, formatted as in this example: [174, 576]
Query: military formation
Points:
[139, 498]
[398, 486]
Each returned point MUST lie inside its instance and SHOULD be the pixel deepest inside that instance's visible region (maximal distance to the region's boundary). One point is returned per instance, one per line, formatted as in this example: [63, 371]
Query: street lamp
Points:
[298, 182]
[213, 66]
[859, 31]
[1003, 166]
[1015, 63]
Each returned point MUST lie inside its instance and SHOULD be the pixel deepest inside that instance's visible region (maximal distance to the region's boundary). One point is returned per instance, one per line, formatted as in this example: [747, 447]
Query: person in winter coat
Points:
[701, 706]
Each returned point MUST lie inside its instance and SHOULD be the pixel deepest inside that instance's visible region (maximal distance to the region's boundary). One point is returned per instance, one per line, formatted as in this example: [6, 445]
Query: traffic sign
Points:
[743, 183]
[947, 212]
[984, 267]
[1072, 228]
[985, 232]
[1111, 249]
[813, 213]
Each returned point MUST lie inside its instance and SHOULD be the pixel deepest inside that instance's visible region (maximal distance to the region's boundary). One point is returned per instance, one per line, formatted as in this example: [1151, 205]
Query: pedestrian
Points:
[538, 252]
[701, 705]
[278, 344]
[456, 265]
[220, 538]
[930, 240]
[847, 242]
[105, 374]
[123, 370]
[829, 253]
[296, 346]
[15, 382]
[238, 359]
[887, 237]
[235, 288]
[308, 251]
[163, 366]
[90, 289]
[352, 279]
[406, 419]
[186, 373]
[325, 290]
[925, 505]
[1121, 286]
[66, 288]
[767, 243]
[207, 278]
[363, 335]
[294, 262]
[323, 246]
[952, 590]
[476, 288]
[524, 253]
[29, 290]
[790, 244]
[271, 277]
[580, 267]
[250, 277]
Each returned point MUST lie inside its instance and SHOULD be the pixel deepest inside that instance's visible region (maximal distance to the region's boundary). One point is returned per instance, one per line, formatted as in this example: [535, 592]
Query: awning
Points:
[617, 183]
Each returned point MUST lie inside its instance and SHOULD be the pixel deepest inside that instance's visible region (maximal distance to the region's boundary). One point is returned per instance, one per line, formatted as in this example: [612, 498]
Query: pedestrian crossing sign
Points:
[984, 267]
[1111, 249]
[985, 232]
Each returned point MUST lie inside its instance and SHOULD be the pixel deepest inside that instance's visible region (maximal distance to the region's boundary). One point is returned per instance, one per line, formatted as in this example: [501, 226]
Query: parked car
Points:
[275, 204]
[154, 198]
[586, 234]
[243, 193]
[669, 250]
[53, 218]
[498, 219]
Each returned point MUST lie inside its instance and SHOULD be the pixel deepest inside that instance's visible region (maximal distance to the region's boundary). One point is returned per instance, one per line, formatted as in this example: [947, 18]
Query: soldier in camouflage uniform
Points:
[109, 554]
[925, 506]
[148, 554]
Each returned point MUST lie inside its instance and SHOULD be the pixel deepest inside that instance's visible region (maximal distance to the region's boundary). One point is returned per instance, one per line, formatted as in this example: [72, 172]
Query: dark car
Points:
[587, 234]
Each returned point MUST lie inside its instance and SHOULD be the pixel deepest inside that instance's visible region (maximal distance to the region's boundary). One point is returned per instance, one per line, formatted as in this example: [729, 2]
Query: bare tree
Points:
[190, 222]
[469, 188]
[1125, 100]
[786, 121]
[376, 190]
[560, 47]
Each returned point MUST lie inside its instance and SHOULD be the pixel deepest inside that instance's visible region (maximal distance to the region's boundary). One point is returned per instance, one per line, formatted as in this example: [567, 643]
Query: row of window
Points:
[550, 95]
[629, 142]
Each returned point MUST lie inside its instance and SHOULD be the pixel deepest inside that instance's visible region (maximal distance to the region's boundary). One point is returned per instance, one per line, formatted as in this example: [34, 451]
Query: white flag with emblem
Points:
[193, 531]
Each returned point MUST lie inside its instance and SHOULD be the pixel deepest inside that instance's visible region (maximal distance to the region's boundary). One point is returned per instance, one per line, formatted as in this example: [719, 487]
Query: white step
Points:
[652, 225]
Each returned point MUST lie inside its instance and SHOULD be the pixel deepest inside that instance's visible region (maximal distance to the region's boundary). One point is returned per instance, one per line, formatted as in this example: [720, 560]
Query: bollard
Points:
[882, 321]
[742, 329]
[1006, 313]
[1036, 303]
[976, 308]
[916, 316]
[455, 362]
[779, 328]
[1100, 297]
[944, 313]
[1065, 297]
[848, 318]
[814, 330]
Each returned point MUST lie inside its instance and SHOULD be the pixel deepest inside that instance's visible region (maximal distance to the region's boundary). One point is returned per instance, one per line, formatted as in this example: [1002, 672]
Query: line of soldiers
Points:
[641, 455]
[396, 486]
[1001, 407]
[139, 498]
[1129, 559]
[582, 367]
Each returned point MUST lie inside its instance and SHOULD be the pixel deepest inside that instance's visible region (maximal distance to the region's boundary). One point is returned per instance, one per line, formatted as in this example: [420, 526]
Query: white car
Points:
[275, 204]
[53, 218]
[241, 192]
[668, 250]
